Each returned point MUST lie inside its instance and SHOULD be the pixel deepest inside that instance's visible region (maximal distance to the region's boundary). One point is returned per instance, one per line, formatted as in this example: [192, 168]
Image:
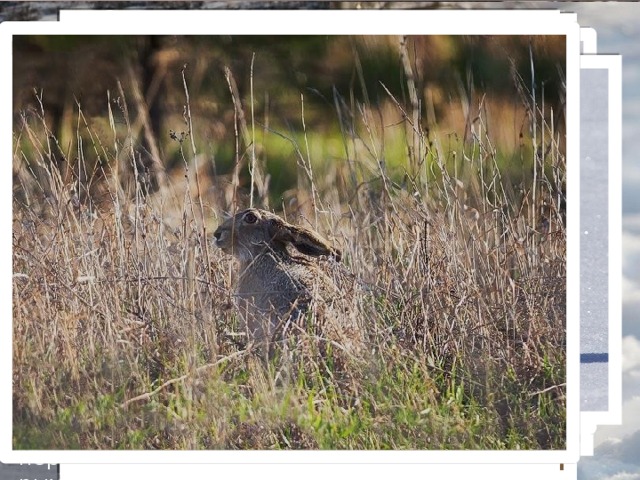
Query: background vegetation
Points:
[435, 163]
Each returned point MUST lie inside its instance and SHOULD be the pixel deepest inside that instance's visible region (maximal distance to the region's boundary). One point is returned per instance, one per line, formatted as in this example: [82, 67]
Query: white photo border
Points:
[589, 421]
[589, 39]
[215, 22]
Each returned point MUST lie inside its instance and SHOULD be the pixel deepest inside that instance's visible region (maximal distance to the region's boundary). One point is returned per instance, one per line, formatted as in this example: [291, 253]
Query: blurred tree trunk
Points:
[150, 96]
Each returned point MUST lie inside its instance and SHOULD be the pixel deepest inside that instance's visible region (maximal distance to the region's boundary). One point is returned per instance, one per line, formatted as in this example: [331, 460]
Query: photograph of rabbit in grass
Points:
[278, 242]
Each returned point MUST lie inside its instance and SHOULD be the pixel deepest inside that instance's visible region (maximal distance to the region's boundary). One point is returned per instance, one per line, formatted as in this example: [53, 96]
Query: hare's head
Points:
[253, 231]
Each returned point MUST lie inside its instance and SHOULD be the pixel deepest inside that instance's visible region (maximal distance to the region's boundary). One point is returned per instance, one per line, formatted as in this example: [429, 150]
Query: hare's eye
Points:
[250, 217]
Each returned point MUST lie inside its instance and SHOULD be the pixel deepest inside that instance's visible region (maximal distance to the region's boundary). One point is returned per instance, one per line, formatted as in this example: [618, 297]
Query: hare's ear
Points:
[305, 241]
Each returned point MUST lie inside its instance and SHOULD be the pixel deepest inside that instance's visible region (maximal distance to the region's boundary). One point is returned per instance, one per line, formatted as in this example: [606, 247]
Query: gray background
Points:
[30, 472]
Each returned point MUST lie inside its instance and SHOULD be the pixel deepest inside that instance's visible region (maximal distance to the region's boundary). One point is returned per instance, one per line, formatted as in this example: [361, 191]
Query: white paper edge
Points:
[589, 39]
[352, 471]
[613, 416]
[212, 22]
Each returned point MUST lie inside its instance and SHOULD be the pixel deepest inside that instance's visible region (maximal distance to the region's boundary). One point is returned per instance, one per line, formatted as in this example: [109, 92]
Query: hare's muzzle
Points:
[221, 235]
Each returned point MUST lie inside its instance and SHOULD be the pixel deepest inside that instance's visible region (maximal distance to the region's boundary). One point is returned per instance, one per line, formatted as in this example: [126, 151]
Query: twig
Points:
[553, 387]
[148, 395]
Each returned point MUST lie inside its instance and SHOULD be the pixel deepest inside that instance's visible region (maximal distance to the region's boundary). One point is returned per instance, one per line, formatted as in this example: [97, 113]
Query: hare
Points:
[278, 294]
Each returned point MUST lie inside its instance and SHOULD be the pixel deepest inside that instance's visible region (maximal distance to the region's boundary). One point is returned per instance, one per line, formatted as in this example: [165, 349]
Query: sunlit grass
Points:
[124, 330]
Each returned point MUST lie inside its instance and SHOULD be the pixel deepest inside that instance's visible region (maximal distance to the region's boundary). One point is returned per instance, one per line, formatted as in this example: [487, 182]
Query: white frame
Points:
[589, 39]
[590, 420]
[215, 22]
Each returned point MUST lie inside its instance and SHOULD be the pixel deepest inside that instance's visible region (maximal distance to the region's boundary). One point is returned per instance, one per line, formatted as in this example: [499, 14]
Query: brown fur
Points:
[278, 294]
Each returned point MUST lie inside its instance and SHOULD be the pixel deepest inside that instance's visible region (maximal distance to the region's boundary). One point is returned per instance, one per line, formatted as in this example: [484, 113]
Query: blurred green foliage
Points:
[295, 91]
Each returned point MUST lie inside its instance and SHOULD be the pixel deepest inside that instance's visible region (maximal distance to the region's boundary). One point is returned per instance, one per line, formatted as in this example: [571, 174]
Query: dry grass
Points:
[125, 335]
